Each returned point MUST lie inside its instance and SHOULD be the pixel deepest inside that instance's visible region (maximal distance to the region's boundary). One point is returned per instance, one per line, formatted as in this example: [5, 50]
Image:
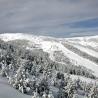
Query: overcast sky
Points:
[60, 18]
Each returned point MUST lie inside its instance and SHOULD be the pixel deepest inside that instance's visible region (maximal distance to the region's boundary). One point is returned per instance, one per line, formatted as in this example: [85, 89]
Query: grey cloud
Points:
[44, 15]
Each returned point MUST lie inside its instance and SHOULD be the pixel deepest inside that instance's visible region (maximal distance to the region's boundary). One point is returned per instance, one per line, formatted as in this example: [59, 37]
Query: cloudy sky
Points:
[60, 18]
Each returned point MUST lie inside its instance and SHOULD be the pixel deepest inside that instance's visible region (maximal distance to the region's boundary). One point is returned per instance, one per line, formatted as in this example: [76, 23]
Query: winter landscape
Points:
[47, 67]
[48, 48]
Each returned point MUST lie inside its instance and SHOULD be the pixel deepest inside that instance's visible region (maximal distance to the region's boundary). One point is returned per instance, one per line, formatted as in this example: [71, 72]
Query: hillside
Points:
[33, 59]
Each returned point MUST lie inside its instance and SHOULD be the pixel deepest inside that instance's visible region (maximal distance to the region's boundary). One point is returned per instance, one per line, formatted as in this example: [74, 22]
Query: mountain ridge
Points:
[43, 65]
[51, 44]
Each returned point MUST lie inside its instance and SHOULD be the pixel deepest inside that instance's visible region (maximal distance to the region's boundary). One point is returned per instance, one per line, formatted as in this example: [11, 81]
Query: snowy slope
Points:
[50, 45]
[6, 91]
[88, 45]
[87, 50]
[91, 41]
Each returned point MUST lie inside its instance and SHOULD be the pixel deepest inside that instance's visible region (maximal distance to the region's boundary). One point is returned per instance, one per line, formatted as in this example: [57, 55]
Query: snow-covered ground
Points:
[55, 44]
[91, 41]
[6, 91]
[87, 50]
[50, 45]
[84, 79]
[75, 58]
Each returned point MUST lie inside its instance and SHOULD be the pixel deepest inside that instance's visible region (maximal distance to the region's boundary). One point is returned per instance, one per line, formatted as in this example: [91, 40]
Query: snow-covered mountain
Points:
[86, 53]
[31, 62]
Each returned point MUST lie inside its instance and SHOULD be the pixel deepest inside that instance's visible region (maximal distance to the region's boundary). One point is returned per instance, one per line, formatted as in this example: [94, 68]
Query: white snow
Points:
[85, 41]
[50, 46]
[16, 36]
[87, 50]
[84, 79]
[6, 91]
[80, 60]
